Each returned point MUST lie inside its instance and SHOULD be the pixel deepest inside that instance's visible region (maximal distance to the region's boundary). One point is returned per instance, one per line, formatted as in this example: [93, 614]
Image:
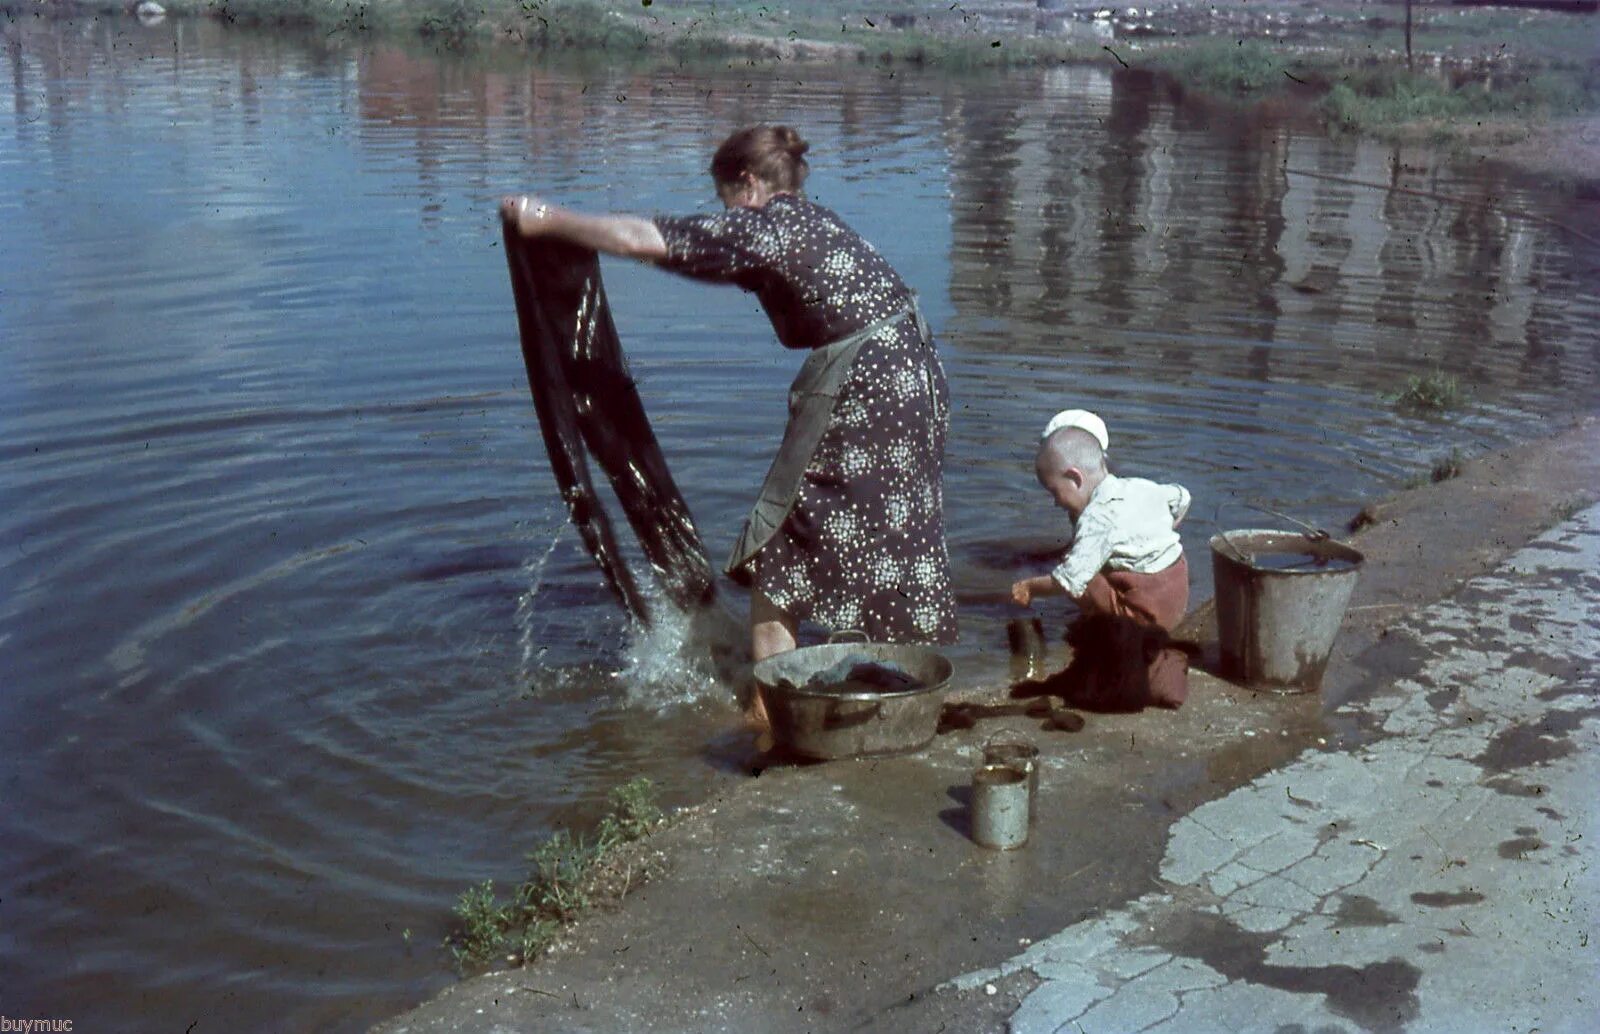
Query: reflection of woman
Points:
[849, 529]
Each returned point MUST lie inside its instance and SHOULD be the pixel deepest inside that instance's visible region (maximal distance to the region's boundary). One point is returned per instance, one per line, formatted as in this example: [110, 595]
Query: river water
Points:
[293, 644]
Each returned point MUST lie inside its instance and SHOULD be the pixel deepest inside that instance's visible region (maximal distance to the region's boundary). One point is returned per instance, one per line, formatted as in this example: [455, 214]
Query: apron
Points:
[812, 398]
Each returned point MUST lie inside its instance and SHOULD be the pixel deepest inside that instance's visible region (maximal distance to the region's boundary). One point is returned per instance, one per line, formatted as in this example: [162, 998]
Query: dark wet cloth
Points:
[856, 672]
[863, 546]
[1157, 601]
[589, 410]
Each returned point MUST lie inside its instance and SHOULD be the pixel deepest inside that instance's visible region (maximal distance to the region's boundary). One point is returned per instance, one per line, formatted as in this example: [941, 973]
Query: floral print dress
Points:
[863, 547]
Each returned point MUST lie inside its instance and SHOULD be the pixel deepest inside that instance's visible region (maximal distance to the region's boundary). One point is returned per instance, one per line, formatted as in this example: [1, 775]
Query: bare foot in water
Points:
[755, 716]
[755, 713]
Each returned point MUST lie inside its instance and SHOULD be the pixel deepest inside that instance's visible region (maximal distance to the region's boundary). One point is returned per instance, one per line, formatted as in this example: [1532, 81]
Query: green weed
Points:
[633, 807]
[1226, 66]
[1433, 392]
[569, 876]
[482, 932]
[1447, 467]
[1444, 469]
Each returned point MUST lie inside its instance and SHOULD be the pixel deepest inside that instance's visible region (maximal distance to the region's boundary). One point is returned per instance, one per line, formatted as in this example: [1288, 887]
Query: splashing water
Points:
[684, 658]
[530, 634]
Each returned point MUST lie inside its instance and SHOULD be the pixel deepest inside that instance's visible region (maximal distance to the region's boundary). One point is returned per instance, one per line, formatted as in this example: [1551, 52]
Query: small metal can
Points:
[1026, 638]
[1020, 754]
[1000, 806]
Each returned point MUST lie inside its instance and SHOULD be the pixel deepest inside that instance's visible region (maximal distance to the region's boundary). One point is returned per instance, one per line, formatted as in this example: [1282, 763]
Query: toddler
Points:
[1126, 561]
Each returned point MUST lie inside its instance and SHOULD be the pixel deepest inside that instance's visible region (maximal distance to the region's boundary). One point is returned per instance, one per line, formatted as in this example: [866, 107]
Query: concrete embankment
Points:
[1441, 878]
[848, 895]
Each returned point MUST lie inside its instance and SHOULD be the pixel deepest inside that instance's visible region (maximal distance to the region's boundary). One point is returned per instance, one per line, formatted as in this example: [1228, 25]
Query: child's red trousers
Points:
[1160, 599]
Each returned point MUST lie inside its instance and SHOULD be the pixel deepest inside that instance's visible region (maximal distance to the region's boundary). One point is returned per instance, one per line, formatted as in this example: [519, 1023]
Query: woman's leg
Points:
[771, 631]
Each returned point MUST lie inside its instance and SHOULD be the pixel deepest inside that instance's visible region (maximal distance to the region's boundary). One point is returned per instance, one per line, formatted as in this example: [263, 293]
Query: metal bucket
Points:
[846, 722]
[1000, 806]
[1277, 623]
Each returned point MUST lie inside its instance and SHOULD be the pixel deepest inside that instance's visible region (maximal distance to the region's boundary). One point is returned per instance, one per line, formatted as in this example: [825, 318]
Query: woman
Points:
[849, 529]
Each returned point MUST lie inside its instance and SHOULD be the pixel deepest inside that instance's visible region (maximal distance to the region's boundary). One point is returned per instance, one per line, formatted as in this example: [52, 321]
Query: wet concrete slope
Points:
[848, 895]
[1441, 878]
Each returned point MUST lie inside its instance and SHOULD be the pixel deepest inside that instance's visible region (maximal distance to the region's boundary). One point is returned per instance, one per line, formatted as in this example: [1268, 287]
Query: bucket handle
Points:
[1311, 532]
[840, 635]
[1238, 554]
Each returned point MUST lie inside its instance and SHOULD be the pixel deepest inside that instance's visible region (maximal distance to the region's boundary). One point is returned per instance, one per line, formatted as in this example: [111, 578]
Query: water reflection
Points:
[295, 648]
[1094, 204]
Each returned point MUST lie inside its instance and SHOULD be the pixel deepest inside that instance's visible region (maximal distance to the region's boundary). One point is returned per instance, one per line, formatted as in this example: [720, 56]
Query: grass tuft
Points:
[1444, 469]
[1568, 508]
[1433, 392]
[1447, 467]
[570, 876]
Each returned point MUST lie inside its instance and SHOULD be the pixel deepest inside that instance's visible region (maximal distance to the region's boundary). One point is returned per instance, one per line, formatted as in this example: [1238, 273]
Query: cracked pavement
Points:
[1440, 878]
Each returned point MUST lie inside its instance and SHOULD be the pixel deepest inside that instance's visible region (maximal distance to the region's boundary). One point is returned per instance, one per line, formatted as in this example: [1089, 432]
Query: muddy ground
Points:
[837, 896]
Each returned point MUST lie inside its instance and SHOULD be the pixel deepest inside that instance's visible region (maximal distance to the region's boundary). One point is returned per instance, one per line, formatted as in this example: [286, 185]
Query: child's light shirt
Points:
[1127, 526]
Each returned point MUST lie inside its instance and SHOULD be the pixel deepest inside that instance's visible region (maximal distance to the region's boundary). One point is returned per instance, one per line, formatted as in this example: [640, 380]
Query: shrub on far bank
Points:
[578, 24]
[1226, 66]
[1380, 98]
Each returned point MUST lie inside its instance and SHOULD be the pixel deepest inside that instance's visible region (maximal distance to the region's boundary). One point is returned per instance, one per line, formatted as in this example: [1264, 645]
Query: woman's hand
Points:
[527, 213]
[1022, 593]
[626, 235]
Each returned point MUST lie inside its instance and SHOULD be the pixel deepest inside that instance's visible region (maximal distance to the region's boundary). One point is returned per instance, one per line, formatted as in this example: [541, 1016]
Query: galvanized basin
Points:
[851, 719]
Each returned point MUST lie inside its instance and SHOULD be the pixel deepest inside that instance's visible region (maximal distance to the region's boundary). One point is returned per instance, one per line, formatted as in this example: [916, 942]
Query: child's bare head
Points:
[1070, 465]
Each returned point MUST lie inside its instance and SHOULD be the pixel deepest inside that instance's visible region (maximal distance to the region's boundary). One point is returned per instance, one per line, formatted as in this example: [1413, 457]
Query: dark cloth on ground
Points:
[859, 673]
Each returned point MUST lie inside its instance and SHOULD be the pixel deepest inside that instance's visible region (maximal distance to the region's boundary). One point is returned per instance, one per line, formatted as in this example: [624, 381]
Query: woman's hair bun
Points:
[773, 154]
[791, 142]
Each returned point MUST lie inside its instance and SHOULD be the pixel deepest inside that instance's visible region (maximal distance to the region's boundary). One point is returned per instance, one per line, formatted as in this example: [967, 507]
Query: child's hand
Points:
[1021, 593]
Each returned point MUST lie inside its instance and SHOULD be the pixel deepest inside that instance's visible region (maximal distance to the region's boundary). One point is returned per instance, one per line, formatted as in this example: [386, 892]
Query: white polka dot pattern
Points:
[864, 546]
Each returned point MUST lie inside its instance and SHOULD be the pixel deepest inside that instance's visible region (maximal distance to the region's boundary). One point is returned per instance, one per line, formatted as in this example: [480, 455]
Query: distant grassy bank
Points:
[1475, 76]
[1438, 96]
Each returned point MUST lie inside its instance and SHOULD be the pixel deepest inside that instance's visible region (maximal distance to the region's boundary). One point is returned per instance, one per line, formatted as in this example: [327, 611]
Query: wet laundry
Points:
[857, 672]
[588, 406]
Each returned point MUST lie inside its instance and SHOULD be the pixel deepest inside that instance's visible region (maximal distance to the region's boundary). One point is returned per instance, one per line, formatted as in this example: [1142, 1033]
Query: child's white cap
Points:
[1081, 419]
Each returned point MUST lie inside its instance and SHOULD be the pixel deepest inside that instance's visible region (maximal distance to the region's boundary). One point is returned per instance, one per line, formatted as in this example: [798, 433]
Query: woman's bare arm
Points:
[628, 236]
